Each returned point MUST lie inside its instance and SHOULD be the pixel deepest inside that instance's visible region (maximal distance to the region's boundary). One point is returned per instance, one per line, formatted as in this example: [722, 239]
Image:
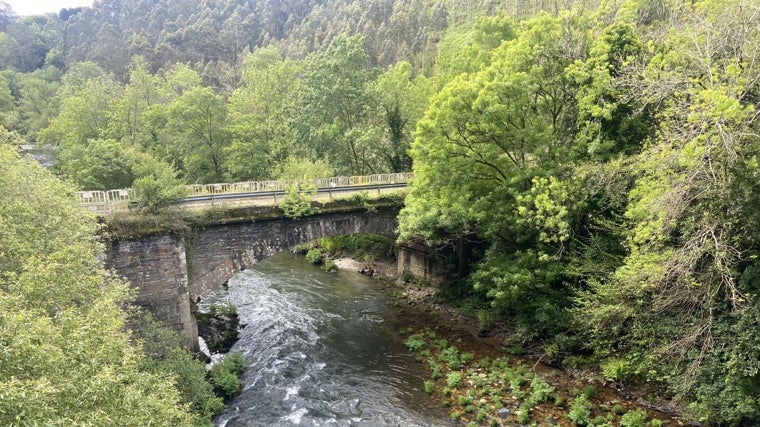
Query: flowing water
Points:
[322, 350]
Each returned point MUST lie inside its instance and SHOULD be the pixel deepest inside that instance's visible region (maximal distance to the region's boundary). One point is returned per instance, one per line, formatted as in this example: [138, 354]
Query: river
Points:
[322, 350]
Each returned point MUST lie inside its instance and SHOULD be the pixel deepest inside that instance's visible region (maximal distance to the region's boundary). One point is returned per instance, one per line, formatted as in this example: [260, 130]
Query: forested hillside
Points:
[230, 90]
[602, 154]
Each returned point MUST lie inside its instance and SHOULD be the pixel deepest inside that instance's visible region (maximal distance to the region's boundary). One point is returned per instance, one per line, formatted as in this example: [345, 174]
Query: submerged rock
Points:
[218, 330]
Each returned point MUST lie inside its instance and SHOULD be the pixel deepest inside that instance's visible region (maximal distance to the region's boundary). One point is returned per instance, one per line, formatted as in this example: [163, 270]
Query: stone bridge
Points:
[170, 271]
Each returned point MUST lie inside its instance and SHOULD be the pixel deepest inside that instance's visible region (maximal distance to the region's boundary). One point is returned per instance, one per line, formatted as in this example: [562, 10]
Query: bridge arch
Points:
[169, 272]
[222, 250]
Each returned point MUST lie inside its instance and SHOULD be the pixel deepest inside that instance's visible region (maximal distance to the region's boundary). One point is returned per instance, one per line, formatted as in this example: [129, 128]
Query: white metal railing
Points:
[114, 200]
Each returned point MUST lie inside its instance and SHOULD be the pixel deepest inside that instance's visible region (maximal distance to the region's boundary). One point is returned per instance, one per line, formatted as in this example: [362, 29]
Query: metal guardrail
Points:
[119, 200]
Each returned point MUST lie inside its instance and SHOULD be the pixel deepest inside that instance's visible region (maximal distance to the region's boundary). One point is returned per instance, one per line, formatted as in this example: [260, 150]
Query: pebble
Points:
[504, 412]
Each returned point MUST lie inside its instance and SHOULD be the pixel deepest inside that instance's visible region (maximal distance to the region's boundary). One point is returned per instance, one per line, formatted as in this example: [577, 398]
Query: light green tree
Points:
[64, 331]
[197, 121]
[333, 117]
[400, 100]
[261, 115]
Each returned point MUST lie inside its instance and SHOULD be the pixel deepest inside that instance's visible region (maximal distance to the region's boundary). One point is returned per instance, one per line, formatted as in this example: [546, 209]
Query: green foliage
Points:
[359, 246]
[297, 201]
[415, 342]
[636, 418]
[579, 412]
[197, 122]
[166, 355]
[261, 120]
[540, 391]
[157, 186]
[64, 329]
[450, 356]
[302, 170]
[615, 369]
[224, 375]
[332, 112]
[315, 256]
[607, 156]
[330, 267]
[453, 379]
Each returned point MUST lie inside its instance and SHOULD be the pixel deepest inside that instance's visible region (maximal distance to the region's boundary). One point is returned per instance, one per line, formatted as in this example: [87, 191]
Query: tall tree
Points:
[400, 100]
[198, 119]
[262, 115]
[492, 157]
[61, 315]
[334, 98]
[687, 289]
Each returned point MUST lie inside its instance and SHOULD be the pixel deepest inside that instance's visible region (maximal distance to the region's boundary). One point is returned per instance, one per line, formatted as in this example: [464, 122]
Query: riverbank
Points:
[496, 388]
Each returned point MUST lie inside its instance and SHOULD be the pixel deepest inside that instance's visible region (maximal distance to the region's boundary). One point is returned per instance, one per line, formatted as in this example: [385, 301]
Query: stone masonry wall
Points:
[156, 265]
[420, 262]
[223, 250]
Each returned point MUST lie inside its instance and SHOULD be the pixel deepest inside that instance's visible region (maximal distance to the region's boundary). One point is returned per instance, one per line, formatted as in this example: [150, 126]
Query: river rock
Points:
[220, 331]
[504, 413]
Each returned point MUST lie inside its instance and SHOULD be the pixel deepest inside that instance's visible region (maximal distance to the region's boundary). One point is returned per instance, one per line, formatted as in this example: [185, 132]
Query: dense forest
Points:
[600, 156]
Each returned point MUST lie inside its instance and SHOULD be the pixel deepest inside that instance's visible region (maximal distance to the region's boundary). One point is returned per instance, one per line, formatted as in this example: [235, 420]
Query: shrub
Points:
[155, 192]
[415, 342]
[637, 418]
[453, 379]
[224, 375]
[297, 201]
[579, 412]
[589, 392]
[466, 358]
[524, 416]
[615, 369]
[429, 387]
[330, 267]
[450, 356]
[435, 369]
[541, 391]
[315, 256]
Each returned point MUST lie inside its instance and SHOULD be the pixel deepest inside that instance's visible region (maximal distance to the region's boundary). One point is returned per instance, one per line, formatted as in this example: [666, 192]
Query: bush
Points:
[541, 391]
[450, 356]
[165, 354]
[637, 418]
[155, 193]
[315, 256]
[453, 379]
[297, 201]
[415, 342]
[359, 246]
[616, 369]
[579, 412]
[157, 185]
[330, 267]
[224, 375]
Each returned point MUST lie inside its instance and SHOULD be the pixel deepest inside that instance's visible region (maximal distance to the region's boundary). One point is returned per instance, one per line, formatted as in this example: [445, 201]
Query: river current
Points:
[322, 350]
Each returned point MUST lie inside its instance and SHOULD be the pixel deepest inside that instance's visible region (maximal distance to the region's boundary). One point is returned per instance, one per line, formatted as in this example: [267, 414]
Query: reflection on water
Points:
[321, 351]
